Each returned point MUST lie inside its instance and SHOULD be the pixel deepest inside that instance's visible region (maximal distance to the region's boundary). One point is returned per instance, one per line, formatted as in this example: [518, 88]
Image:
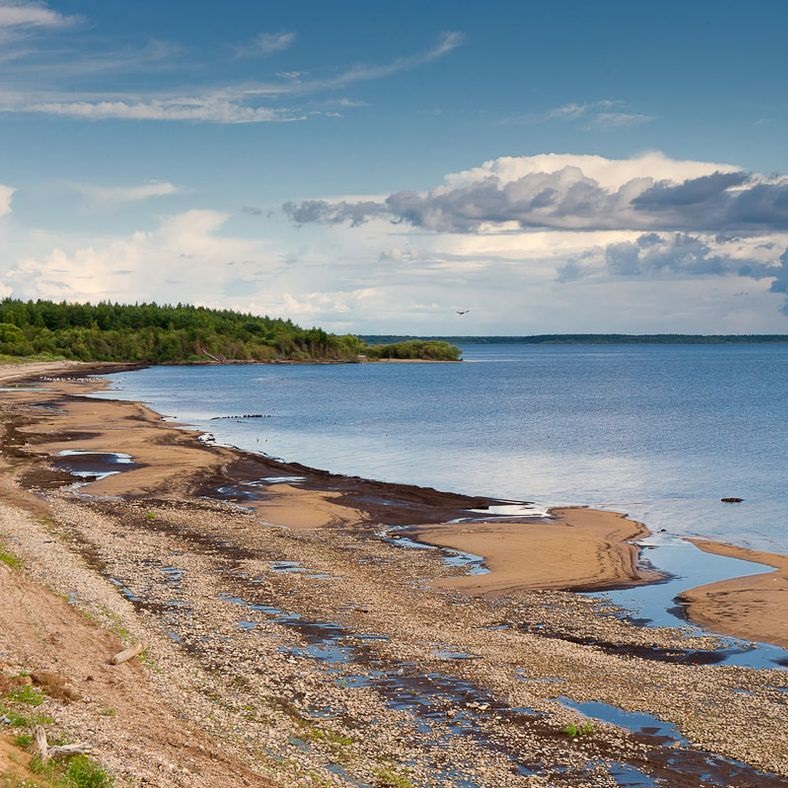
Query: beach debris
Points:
[127, 654]
[47, 753]
[731, 500]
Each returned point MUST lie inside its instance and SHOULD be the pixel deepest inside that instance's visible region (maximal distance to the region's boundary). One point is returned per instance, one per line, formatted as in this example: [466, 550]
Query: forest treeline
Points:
[168, 334]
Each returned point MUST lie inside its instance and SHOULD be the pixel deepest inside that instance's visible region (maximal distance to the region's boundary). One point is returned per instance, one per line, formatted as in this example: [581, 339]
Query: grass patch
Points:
[26, 694]
[388, 778]
[330, 737]
[77, 772]
[23, 740]
[9, 559]
[574, 731]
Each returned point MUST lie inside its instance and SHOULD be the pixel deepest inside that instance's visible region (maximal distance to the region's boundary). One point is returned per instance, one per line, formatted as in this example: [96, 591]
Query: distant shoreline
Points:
[590, 339]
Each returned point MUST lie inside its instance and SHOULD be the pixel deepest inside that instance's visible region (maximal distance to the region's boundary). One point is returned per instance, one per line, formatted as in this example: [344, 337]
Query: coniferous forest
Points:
[170, 334]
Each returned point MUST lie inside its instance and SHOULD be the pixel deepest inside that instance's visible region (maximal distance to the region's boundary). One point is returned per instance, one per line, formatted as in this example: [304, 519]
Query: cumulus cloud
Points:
[575, 192]
[653, 255]
[780, 283]
[186, 258]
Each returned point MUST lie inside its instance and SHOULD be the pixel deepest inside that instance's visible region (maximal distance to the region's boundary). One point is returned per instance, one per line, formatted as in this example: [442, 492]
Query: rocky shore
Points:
[289, 640]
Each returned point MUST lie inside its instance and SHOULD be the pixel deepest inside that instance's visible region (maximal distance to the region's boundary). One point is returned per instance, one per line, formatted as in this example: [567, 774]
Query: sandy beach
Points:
[286, 642]
[575, 549]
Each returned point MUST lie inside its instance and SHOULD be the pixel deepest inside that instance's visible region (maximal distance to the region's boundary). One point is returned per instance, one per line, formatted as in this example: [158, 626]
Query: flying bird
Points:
[465, 312]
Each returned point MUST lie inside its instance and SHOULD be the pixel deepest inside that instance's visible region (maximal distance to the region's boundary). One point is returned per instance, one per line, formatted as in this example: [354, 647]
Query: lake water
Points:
[661, 432]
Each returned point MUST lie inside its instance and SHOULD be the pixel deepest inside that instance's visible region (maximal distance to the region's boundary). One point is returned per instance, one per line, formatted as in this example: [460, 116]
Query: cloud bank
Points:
[575, 192]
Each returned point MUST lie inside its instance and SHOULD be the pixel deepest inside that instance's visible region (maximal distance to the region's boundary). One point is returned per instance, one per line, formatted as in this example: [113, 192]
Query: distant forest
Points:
[594, 339]
[170, 334]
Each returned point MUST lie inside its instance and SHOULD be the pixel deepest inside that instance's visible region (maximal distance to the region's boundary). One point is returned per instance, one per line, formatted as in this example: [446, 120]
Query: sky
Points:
[379, 167]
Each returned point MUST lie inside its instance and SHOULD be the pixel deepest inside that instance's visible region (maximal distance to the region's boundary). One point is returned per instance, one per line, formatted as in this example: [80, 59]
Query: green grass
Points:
[79, 771]
[388, 778]
[18, 720]
[329, 736]
[23, 740]
[9, 559]
[7, 359]
[82, 772]
[26, 694]
[574, 731]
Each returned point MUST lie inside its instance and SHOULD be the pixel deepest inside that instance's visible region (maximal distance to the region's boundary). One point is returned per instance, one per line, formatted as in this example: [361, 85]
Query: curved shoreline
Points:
[753, 607]
[331, 635]
[587, 550]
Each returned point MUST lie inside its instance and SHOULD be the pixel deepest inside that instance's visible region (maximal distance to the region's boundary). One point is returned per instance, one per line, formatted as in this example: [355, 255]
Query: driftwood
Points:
[127, 654]
[41, 744]
[47, 753]
[64, 750]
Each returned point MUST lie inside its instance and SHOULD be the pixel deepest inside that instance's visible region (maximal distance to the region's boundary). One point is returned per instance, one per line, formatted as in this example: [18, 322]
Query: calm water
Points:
[661, 432]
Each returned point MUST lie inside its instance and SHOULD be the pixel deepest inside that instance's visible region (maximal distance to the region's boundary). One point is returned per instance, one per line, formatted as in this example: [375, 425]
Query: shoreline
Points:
[325, 499]
[290, 642]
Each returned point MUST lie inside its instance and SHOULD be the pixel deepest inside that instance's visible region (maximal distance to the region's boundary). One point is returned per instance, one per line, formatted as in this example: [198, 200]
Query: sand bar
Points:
[753, 607]
[575, 549]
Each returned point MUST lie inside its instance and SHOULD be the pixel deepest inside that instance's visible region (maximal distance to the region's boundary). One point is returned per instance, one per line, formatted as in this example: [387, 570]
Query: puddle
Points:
[512, 509]
[288, 567]
[473, 564]
[655, 605]
[277, 480]
[634, 722]
[629, 776]
[450, 655]
[93, 465]
[236, 493]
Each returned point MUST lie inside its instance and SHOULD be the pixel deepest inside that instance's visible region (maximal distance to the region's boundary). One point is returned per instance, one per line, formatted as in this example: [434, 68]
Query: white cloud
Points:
[603, 114]
[6, 194]
[21, 14]
[238, 103]
[121, 194]
[211, 108]
[186, 259]
[576, 192]
[267, 44]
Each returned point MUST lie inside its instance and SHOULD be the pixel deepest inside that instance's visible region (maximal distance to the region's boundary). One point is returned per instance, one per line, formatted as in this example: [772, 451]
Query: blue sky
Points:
[379, 166]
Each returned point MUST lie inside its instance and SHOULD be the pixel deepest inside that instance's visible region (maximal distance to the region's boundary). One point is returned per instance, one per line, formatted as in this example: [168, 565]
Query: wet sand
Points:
[753, 607]
[576, 549]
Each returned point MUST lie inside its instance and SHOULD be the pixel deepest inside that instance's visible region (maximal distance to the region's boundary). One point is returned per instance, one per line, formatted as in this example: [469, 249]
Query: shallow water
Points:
[661, 432]
[688, 567]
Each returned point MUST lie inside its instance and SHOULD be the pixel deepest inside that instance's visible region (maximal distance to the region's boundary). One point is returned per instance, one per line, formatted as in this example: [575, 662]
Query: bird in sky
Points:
[464, 312]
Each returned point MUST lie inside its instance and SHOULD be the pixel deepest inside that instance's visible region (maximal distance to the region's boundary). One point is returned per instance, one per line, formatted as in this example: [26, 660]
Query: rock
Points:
[731, 500]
